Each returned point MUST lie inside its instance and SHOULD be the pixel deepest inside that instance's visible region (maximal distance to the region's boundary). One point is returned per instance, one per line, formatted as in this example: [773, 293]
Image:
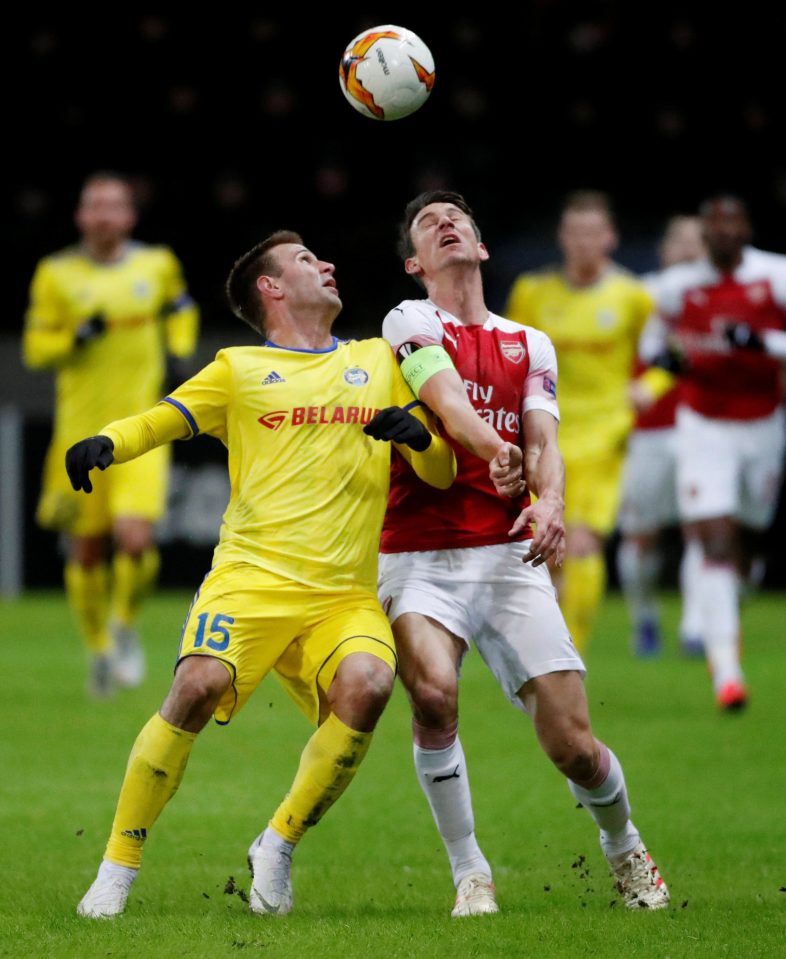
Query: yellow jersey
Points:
[595, 331]
[148, 313]
[308, 487]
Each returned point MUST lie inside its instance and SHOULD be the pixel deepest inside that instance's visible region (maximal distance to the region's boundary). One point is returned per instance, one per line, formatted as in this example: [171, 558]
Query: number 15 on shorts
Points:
[215, 636]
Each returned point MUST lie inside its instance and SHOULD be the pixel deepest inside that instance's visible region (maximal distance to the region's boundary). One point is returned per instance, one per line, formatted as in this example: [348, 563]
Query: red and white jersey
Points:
[507, 370]
[698, 301]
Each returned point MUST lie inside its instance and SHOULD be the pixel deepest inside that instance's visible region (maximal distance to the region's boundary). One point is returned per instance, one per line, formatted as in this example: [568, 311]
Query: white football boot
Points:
[475, 896]
[639, 882]
[270, 862]
[108, 895]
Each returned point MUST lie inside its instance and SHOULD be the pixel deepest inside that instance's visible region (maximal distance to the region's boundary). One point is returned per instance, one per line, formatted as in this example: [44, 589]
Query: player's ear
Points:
[268, 286]
[484, 253]
[412, 266]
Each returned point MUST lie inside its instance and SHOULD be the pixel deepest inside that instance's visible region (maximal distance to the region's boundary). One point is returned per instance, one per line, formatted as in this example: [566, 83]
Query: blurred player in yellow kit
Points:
[293, 582]
[593, 312]
[105, 314]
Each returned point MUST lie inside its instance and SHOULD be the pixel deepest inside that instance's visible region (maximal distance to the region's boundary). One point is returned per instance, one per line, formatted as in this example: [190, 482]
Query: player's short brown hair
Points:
[405, 247]
[241, 286]
[588, 201]
[109, 176]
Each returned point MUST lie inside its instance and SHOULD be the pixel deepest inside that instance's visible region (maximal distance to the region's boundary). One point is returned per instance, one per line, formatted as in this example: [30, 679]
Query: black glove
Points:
[741, 337]
[399, 426]
[83, 456]
[92, 327]
[672, 360]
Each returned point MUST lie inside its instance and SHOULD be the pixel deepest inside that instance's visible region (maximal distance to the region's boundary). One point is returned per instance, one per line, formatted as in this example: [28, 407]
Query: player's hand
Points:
[84, 455]
[505, 471]
[547, 518]
[397, 425]
[641, 399]
[741, 337]
[92, 327]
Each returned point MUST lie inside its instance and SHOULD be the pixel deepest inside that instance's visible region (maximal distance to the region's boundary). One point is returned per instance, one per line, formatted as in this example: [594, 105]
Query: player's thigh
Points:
[649, 494]
[592, 491]
[762, 450]
[521, 632]
[708, 467]
[428, 597]
[557, 703]
[62, 508]
[138, 488]
[338, 625]
[242, 618]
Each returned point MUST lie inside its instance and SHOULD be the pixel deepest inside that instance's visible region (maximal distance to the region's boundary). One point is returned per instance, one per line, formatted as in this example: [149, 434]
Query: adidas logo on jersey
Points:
[273, 377]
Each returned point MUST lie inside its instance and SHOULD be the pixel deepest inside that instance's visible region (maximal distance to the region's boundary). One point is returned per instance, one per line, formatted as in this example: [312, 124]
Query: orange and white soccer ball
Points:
[387, 72]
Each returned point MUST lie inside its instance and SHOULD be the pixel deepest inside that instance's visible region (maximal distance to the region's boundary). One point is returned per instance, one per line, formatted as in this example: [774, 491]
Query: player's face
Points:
[726, 229]
[586, 237]
[682, 242]
[305, 282]
[443, 236]
[106, 212]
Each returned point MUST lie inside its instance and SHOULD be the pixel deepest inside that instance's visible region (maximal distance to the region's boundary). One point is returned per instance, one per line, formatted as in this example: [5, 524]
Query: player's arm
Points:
[180, 312]
[48, 339]
[544, 471]
[740, 336]
[199, 405]
[414, 434]
[433, 379]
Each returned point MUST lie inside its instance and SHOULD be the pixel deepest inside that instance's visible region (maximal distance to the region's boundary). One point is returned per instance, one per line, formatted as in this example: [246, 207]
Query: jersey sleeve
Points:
[643, 306]
[181, 312]
[540, 386]
[48, 338]
[204, 400]
[411, 323]
[437, 464]
[136, 435]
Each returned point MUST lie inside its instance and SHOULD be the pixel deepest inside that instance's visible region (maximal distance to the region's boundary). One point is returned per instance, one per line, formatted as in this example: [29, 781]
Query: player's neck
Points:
[585, 274]
[726, 263]
[110, 252]
[461, 294]
[304, 332]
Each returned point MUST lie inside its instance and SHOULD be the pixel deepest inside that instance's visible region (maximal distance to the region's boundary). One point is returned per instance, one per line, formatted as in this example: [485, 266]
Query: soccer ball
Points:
[386, 72]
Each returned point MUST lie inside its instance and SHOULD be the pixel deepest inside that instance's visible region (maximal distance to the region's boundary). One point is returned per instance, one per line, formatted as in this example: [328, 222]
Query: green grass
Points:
[372, 880]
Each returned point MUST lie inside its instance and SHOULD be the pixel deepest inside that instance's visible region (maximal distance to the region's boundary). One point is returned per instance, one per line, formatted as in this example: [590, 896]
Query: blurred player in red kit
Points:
[730, 425]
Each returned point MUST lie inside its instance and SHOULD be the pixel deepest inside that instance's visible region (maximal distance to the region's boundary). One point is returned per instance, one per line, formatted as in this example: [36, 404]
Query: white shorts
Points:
[485, 595]
[649, 482]
[729, 467]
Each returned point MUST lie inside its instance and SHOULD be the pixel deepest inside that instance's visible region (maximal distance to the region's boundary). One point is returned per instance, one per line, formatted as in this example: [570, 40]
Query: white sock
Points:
[638, 571]
[111, 870]
[609, 807]
[720, 606]
[442, 774]
[692, 624]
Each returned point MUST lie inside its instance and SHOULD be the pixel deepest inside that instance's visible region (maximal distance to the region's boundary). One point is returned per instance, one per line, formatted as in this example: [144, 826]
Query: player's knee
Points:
[199, 684]
[360, 690]
[574, 756]
[435, 701]
[133, 537]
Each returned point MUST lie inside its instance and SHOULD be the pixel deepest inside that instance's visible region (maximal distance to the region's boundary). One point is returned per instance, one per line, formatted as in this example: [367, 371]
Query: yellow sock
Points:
[327, 766]
[133, 578]
[86, 589]
[581, 591]
[155, 769]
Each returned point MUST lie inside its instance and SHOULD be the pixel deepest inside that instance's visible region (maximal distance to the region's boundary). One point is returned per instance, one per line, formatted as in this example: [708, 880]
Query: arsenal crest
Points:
[512, 350]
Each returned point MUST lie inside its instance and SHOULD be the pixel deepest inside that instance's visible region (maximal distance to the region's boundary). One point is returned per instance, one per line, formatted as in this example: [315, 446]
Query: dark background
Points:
[232, 125]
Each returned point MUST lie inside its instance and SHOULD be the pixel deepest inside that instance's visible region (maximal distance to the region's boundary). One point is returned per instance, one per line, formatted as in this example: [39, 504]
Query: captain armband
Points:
[422, 364]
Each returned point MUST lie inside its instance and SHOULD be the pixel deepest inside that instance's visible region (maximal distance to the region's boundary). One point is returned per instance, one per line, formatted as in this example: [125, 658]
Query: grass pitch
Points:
[372, 880]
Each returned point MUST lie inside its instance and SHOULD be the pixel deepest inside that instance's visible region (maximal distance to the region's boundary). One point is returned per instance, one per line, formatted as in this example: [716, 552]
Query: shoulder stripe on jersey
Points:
[186, 413]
